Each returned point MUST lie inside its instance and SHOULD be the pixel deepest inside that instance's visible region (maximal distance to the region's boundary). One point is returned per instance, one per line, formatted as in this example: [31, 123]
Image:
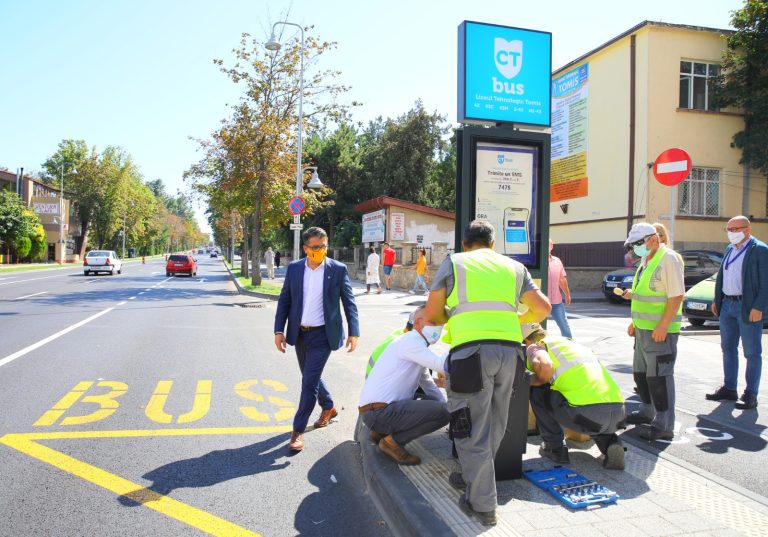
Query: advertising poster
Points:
[373, 226]
[570, 112]
[505, 190]
[397, 227]
[504, 74]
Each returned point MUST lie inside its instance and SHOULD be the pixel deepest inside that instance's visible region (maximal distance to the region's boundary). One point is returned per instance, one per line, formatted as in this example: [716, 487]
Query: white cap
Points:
[639, 231]
[532, 328]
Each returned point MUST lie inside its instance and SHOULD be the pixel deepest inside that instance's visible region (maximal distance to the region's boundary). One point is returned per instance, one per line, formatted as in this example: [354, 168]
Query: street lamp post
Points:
[62, 241]
[123, 235]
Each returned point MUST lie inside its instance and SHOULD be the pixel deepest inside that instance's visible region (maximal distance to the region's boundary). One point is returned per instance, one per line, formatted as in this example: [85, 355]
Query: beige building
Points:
[617, 108]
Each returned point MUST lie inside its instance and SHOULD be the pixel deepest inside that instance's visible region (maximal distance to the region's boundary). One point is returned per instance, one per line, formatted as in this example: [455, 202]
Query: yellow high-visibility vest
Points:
[648, 305]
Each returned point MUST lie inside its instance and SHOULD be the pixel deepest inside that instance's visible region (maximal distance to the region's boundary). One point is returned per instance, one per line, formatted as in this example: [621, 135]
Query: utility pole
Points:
[123, 235]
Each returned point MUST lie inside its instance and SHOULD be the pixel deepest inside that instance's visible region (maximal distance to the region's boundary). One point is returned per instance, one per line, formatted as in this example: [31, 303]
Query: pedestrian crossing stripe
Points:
[27, 443]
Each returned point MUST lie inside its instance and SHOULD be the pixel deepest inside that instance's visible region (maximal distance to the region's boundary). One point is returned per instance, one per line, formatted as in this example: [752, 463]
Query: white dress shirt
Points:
[312, 301]
[398, 370]
[732, 284]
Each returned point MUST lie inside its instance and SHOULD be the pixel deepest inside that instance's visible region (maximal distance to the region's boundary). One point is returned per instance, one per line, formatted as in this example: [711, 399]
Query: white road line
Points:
[141, 293]
[34, 294]
[32, 279]
[22, 352]
[8, 277]
[121, 303]
[132, 298]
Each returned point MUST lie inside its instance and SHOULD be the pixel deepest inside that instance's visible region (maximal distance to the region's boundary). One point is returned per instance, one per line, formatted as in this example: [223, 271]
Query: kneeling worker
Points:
[571, 388]
[386, 402]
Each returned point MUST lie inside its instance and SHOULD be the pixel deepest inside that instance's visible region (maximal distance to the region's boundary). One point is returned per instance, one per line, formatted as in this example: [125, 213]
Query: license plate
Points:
[611, 284]
[697, 306]
[178, 265]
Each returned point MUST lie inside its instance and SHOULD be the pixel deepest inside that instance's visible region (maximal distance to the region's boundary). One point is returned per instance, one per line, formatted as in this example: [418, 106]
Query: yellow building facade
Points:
[641, 93]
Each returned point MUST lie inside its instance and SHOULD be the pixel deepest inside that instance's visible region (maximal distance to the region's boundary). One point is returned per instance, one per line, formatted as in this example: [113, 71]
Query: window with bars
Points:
[699, 194]
[696, 85]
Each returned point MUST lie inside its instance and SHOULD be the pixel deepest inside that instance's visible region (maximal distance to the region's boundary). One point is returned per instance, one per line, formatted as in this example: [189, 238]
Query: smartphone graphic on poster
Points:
[516, 231]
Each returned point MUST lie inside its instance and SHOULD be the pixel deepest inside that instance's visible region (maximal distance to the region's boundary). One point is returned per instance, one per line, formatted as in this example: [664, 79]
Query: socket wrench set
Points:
[570, 487]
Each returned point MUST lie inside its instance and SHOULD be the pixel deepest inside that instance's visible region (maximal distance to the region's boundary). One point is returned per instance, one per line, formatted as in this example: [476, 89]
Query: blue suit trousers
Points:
[312, 351]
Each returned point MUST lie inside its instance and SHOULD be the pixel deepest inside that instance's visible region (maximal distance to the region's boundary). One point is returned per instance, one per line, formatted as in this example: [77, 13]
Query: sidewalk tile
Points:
[668, 503]
[541, 521]
[655, 526]
[642, 506]
[692, 521]
[619, 527]
[584, 531]
[545, 533]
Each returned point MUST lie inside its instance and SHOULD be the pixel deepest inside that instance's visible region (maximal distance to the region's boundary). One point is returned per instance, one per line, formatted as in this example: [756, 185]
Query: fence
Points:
[416, 251]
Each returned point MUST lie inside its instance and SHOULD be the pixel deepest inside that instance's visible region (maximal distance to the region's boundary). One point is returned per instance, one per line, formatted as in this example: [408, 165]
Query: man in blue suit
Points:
[741, 303]
[309, 301]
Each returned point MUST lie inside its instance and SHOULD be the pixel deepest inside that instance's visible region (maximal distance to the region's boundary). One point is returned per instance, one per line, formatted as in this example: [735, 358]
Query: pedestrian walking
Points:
[657, 297]
[372, 271]
[310, 301]
[422, 270]
[386, 404]
[389, 262]
[482, 290]
[269, 260]
[741, 304]
[571, 388]
[557, 282]
[277, 259]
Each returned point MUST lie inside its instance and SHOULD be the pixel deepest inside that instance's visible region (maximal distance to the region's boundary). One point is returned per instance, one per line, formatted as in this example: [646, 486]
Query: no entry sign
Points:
[672, 167]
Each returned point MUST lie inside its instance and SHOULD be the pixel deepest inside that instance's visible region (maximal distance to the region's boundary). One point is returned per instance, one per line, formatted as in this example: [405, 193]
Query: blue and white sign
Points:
[504, 74]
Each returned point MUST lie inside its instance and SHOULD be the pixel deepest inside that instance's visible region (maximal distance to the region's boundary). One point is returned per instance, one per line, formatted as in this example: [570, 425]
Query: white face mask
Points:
[432, 333]
[735, 237]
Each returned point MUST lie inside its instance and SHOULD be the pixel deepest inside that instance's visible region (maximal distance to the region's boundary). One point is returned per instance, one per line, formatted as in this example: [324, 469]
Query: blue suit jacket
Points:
[754, 280]
[336, 289]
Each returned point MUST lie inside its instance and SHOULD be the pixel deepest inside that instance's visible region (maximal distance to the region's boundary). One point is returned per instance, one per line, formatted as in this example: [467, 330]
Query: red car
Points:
[181, 264]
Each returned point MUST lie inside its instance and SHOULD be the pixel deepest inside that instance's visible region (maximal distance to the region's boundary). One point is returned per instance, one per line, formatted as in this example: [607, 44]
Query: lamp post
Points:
[62, 241]
[123, 235]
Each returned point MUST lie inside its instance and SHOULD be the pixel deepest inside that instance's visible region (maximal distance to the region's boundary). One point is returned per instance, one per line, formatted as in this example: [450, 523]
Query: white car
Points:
[102, 261]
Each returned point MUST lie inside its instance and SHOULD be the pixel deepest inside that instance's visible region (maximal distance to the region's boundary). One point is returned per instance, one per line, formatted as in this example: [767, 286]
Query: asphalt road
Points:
[715, 438]
[138, 404]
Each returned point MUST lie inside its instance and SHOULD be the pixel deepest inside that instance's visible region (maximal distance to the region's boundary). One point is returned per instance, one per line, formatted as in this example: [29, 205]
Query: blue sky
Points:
[139, 73]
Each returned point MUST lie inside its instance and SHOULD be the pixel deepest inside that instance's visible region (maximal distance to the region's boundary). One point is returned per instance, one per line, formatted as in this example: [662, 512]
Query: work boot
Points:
[636, 418]
[376, 437]
[487, 518]
[723, 394]
[557, 454]
[456, 480]
[325, 417]
[297, 441]
[748, 401]
[654, 433]
[397, 453]
[614, 456]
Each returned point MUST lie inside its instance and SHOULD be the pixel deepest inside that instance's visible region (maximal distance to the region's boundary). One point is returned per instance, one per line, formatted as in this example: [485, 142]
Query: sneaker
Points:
[456, 480]
[653, 433]
[614, 457]
[487, 518]
[636, 418]
[557, 454]
[748, 401]
[723, 394]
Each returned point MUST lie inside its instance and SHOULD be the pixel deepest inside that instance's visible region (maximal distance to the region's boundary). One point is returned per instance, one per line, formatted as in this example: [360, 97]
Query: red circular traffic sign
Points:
[672, 167]
[296, 205]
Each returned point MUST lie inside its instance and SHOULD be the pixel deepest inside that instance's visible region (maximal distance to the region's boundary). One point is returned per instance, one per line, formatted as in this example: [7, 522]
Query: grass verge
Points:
[245, 283]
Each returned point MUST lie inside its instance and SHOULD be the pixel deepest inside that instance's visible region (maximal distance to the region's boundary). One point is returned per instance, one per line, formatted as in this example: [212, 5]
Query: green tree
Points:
[20, 228]
[744, 81]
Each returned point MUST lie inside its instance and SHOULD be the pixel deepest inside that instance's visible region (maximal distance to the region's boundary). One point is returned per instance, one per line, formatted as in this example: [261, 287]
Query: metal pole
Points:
[61, 219]
[232, 240]
[123, 236]
[672, 215]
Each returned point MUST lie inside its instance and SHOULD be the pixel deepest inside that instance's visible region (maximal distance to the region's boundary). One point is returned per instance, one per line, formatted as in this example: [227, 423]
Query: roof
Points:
[385, 202]
[10, 177]
[635, 29]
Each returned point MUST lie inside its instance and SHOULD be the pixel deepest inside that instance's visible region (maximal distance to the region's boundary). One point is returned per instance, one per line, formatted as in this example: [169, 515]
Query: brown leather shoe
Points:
[325, 417]
[376, 437]
[389, 447]
[297, 441]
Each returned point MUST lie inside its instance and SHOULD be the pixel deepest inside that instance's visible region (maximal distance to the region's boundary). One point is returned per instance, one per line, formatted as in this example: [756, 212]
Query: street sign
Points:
[672, 167]
[296, 219]
[296, 205]
[297, 226]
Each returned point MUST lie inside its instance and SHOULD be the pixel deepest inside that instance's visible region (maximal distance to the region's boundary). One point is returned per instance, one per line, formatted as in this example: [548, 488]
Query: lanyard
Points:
[728, 261]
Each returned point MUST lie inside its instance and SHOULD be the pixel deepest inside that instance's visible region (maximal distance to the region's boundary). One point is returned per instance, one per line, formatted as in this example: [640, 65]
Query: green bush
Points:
[21, 246]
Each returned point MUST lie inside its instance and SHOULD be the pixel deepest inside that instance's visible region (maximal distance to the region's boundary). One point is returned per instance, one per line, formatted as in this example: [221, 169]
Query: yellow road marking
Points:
[137, 433]
[148, 498]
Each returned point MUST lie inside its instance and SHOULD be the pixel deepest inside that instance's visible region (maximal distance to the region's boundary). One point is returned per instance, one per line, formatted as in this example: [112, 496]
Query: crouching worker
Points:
[386, 402]
[571, 388]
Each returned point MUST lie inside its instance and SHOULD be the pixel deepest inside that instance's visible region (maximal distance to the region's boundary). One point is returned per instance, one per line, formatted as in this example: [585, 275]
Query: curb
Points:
[399, 501]
[243, 291]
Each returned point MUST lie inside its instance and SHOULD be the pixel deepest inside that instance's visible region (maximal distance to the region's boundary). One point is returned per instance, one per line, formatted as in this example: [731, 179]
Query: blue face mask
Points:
[641, 251]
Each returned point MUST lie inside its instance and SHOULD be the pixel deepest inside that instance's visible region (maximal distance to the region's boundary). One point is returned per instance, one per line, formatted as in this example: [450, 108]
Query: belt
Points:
[310, 328]
[372, 406]
[732, 297]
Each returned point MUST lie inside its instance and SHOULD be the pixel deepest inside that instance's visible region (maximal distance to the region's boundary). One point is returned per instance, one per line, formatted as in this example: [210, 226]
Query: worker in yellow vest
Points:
[571, 388]
[483, 291]
[657, 297]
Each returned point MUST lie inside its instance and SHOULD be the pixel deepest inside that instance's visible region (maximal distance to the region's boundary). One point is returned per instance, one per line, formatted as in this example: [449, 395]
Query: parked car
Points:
[102, 261]
[181, 264]
[214, 254]
[698, 265]
[697, 304]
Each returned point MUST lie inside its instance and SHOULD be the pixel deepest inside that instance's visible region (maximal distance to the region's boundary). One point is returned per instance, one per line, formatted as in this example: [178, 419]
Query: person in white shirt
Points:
[386, 402]
[269, 260]
[372, 271]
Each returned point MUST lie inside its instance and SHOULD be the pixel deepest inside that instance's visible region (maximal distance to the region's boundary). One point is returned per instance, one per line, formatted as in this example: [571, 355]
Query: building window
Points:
[699, 194]
[696, 85]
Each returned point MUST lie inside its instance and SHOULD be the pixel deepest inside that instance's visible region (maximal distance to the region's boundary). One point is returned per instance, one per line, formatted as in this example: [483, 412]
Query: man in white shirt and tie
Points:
[386, 401]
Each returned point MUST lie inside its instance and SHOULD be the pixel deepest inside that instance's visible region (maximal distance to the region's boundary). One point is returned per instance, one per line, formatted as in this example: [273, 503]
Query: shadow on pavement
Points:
[722, 415]
[210, 469]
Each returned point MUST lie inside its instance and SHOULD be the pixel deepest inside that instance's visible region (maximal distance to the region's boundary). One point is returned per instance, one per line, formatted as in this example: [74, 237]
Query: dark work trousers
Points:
[312, 350]
[408, 419]
[553, 412]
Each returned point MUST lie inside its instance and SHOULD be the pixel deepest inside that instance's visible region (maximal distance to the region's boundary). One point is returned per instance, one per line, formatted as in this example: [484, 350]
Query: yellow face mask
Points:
[317, 256]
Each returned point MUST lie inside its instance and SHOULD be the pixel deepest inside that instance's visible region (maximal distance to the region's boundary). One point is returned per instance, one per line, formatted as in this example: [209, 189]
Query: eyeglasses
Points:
[317, 248]
[732, 229]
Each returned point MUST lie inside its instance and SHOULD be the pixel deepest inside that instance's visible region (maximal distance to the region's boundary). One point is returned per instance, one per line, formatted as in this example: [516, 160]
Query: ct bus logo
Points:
[500, 158]
[508, 56]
